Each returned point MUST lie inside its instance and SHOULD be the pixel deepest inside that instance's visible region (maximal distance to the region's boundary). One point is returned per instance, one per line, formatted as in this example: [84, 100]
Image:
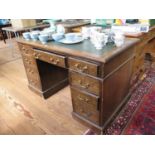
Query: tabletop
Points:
[84, 49]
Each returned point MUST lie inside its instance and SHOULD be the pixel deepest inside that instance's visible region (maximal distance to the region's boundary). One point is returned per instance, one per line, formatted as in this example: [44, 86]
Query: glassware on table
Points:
[99, 40]
[119, 38]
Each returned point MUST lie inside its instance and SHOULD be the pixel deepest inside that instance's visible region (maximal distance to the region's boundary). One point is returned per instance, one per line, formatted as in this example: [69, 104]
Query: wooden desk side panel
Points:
[116, 87]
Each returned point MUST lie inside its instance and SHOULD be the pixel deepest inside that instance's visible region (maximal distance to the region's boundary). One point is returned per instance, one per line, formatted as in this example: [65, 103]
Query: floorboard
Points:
[24, 112]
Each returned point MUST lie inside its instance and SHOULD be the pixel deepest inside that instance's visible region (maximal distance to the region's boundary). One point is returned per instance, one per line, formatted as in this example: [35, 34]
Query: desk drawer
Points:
[33, 77]
[25, 49]
[83, 66]
[32, 72]
[50, 58]
[28, 60]
[88, 83]
[85, 105]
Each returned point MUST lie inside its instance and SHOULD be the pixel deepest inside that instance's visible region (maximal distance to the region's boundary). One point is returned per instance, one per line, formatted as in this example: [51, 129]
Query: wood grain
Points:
[24, 112]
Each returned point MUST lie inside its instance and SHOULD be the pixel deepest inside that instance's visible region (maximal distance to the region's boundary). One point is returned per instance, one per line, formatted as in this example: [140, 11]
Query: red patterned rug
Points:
[138, 116]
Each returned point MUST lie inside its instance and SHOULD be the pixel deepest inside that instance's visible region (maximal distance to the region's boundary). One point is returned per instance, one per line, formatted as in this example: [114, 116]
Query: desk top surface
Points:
[84, 49]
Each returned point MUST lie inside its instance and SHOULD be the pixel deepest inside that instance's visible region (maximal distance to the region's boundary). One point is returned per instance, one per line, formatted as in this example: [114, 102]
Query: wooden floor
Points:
[24, 112]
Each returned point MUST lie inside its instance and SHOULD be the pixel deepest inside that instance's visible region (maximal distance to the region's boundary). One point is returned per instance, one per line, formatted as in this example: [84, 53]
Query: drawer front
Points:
[29, 61]
[33, 77]
[50, 58]
[25, 49]
[32, 72]
[83, 66]
[85, 105]
[88, 83]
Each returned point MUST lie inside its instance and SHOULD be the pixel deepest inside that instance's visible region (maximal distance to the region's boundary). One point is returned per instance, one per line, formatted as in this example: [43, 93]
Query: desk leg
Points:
[10, 42]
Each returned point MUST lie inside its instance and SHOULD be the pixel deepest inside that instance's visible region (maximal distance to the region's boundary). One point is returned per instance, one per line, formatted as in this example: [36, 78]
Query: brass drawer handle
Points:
[87, 85]
[85, 68]
[27, 61]
[54, 61]
[82, 99]
[82, 69]
[23, 48]
[30, 71]
[37, 55]
[77, 65]
[51, 59]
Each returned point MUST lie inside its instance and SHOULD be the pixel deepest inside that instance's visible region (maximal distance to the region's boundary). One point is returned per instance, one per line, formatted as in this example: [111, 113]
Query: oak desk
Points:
[99, 79]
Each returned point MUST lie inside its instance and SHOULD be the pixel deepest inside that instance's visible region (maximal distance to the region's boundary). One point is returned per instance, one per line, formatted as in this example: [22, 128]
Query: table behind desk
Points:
[145, 52]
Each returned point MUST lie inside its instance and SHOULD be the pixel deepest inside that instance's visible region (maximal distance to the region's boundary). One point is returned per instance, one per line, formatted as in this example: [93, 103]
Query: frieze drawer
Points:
[51, 58]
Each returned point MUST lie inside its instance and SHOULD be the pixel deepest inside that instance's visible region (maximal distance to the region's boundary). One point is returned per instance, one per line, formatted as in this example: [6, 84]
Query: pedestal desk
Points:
[99, 79]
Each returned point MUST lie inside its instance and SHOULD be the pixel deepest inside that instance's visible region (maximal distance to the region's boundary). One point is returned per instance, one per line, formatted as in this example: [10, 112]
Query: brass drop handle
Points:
[85, 68]
[86, 100]
[82, 99]
[29, 62]
[23, 48]
[56, 61]
[36, 55]
[51, 59]
[77, 65]
[30, 71]
[87, 85]
[83, 85]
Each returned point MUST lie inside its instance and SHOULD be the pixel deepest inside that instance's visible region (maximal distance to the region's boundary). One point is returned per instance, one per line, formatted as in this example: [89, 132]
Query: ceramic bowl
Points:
[44, 38]
[26, 35]
[57, 36]
[70, 36]
[34, 35]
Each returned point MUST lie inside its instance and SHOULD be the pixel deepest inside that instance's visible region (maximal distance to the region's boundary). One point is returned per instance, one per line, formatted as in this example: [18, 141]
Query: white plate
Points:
[66, 41]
